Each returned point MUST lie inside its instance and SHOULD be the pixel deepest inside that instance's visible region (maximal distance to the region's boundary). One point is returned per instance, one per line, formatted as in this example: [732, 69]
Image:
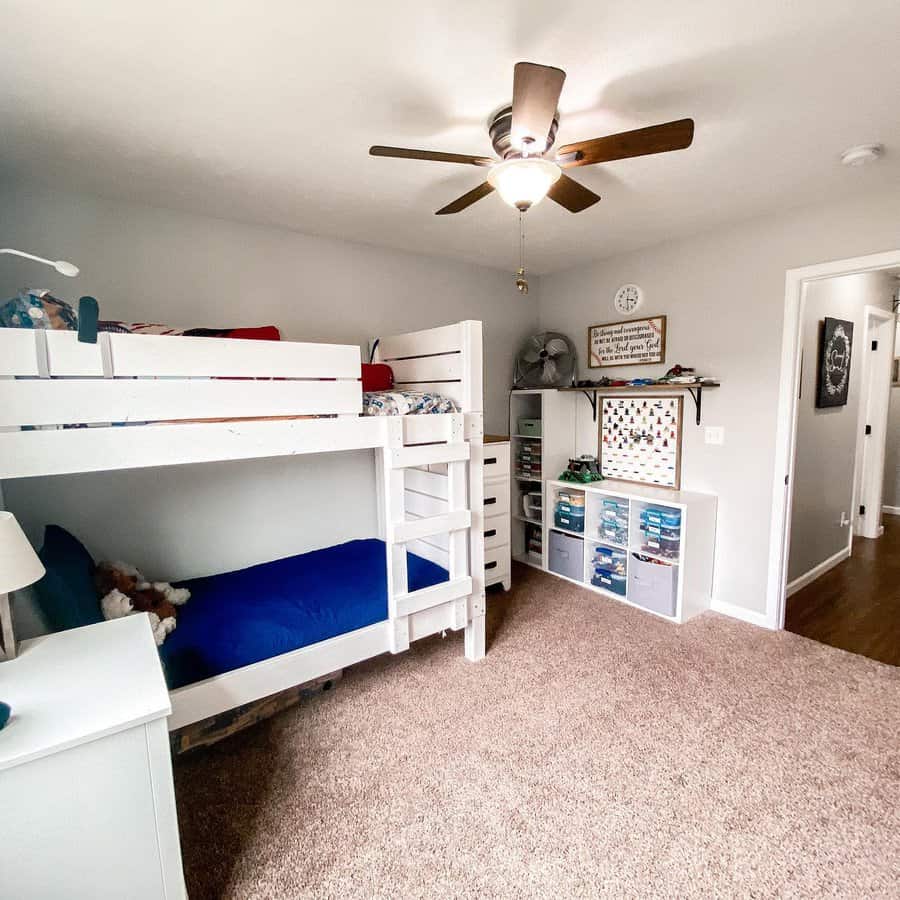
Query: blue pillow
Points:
[66, 593]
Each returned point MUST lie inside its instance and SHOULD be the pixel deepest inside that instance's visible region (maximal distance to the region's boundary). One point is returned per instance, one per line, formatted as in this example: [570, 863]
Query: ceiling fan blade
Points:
[461, 203]
[536, 91]
[432, 155]
[641, 142]
[573, 196]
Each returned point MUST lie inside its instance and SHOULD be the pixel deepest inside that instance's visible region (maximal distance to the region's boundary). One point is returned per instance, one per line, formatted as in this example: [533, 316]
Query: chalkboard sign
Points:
[630, 343]
[835, 344]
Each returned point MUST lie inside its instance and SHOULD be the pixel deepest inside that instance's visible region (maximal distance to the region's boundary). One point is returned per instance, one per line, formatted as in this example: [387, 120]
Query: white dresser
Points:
[87, 800]
[497, 556]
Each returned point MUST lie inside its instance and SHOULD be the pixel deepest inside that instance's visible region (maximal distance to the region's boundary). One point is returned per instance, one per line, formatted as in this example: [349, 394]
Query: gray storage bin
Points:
[566, 555]
[652, 585]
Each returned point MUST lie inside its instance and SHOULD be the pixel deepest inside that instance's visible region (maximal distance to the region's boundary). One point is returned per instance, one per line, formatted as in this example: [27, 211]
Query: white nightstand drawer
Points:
[496, 531]
[496, 460]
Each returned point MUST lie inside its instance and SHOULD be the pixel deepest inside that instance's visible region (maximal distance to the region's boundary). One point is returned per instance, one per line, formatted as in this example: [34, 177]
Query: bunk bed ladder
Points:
[398, 530]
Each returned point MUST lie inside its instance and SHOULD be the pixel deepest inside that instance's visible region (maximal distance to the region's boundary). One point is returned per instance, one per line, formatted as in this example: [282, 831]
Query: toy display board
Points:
[640, 440]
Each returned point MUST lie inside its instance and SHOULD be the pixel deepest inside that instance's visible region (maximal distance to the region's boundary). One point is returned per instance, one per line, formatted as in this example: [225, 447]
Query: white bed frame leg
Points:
[392, 484]
[475, 639]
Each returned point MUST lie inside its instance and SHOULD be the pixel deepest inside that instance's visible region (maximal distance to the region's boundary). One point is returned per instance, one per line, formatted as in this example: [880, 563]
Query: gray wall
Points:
[827, 438]
[723, 293]
[152, 264]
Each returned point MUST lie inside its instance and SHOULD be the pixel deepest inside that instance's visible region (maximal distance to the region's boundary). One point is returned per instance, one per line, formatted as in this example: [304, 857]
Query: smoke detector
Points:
[864, 153]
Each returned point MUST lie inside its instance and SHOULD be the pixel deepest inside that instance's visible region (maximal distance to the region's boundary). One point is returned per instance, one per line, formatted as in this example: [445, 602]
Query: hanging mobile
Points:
[521, 277]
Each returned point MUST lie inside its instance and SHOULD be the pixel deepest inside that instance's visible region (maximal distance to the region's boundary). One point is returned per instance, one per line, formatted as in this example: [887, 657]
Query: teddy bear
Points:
[123, 591]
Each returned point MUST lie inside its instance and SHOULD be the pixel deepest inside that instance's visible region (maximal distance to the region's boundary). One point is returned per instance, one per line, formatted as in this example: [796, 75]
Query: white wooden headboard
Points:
[446, 360]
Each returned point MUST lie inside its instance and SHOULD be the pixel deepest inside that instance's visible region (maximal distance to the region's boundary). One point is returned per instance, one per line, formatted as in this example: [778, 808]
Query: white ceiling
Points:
[264, 112]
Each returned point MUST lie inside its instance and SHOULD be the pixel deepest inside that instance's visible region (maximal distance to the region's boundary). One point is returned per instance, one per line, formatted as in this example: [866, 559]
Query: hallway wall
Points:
[827, 438]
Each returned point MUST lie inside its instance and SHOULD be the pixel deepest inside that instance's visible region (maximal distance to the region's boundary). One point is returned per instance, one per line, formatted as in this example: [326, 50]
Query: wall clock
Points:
[628, 298]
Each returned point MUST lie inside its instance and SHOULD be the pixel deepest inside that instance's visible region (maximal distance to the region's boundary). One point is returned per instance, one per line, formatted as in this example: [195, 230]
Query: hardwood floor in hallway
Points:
[856, 606]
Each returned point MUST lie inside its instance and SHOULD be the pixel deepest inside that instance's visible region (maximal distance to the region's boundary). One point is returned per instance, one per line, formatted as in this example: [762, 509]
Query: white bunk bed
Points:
[140, 397]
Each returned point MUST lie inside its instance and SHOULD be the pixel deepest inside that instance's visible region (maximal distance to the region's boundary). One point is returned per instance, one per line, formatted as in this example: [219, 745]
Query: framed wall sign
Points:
[629, 343]
[835, 344]
[640, 440]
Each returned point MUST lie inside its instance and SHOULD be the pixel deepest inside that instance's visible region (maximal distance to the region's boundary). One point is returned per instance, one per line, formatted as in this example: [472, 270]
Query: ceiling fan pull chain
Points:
[521, 279]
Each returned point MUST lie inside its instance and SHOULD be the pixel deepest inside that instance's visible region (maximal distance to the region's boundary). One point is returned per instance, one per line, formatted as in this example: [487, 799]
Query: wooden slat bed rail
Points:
[89, 401]
[165, 356]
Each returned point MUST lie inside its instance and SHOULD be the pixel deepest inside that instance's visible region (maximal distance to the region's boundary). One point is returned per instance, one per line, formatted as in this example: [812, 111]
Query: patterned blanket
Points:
[406, 403]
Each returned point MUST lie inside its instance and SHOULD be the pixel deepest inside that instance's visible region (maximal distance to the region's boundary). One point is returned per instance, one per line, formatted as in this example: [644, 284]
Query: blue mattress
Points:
[242, 617]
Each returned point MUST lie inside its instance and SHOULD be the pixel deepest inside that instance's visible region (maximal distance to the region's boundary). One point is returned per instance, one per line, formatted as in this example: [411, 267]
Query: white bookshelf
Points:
[691, 565]
[556, 410]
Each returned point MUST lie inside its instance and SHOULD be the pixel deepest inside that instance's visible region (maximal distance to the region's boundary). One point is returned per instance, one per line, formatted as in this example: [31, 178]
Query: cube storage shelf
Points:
[648, 547]
[542, 434]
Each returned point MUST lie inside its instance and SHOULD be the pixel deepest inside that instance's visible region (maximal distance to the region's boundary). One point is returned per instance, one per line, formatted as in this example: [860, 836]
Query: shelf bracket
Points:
[592, 399]
[697, 398]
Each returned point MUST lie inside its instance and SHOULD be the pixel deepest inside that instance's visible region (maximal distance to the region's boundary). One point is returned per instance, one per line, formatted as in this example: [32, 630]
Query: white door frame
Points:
[796, 281]
[874, 403]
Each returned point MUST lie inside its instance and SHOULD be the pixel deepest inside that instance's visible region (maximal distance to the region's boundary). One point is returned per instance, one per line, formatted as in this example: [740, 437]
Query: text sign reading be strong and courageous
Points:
[627, 343]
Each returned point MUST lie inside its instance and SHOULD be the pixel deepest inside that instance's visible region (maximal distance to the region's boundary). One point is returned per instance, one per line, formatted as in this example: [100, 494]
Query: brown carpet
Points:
[597, 751]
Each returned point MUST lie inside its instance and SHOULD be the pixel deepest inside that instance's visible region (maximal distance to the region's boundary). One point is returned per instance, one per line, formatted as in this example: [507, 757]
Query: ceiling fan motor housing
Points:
[499, 130]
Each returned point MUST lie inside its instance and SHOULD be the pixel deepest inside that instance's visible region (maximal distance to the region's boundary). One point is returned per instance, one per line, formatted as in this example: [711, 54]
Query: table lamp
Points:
[19, 567]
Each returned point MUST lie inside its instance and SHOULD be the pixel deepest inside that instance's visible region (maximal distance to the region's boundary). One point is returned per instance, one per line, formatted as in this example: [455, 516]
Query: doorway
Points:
[831, 468]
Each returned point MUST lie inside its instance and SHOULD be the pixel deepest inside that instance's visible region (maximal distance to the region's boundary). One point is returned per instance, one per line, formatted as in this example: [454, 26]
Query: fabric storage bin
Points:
[611, 581]
[530, 427]
[652, 585]
[569, 521]
[566, 555]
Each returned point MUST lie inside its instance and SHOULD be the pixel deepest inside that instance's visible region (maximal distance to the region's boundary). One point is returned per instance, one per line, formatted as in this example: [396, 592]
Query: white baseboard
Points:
[817, 571]
[891, 510]
[739, 612]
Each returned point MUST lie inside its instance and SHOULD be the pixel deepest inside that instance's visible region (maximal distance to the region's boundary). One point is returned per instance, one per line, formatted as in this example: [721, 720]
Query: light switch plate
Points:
[715, 434]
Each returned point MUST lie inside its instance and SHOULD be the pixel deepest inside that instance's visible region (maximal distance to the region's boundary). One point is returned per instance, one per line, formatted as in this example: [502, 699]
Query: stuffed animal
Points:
[123, 591]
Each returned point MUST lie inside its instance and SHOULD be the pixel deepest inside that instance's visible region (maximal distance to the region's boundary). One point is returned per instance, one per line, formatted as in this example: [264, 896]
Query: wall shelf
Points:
[695, 390]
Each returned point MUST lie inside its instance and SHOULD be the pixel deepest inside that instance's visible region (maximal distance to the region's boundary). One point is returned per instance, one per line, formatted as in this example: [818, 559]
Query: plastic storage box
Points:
[615, 534]
[610, 581]
[530, 427]
[532, 503]
[652, 585]
[610, 558]
[569, 520]
[569, 512]
[670, 518]
[566, 554]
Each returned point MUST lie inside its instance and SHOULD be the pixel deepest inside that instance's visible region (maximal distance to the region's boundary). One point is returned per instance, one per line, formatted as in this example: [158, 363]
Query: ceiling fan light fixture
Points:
[523, 182]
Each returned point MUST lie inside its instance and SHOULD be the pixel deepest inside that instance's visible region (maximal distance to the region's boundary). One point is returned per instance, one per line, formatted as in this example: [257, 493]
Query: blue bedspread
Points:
[239, 618]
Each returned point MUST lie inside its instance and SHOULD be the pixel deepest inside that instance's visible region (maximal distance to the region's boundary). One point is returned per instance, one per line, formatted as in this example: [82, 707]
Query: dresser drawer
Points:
[496, 531]
[496, 460]
[496, 563]
[496, 497]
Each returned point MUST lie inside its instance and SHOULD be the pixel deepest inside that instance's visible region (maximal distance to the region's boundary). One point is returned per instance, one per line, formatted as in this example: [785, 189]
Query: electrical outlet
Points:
[715, 434]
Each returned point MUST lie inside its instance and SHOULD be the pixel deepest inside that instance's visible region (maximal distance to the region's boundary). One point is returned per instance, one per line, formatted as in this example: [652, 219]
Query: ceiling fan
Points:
[522, 135]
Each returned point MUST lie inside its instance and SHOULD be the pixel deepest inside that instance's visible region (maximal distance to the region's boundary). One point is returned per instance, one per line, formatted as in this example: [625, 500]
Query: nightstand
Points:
[88, 804]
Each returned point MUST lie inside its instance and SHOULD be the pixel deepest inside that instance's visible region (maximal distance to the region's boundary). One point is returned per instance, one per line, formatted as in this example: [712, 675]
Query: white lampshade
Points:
[19, 564]
[523, 182]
